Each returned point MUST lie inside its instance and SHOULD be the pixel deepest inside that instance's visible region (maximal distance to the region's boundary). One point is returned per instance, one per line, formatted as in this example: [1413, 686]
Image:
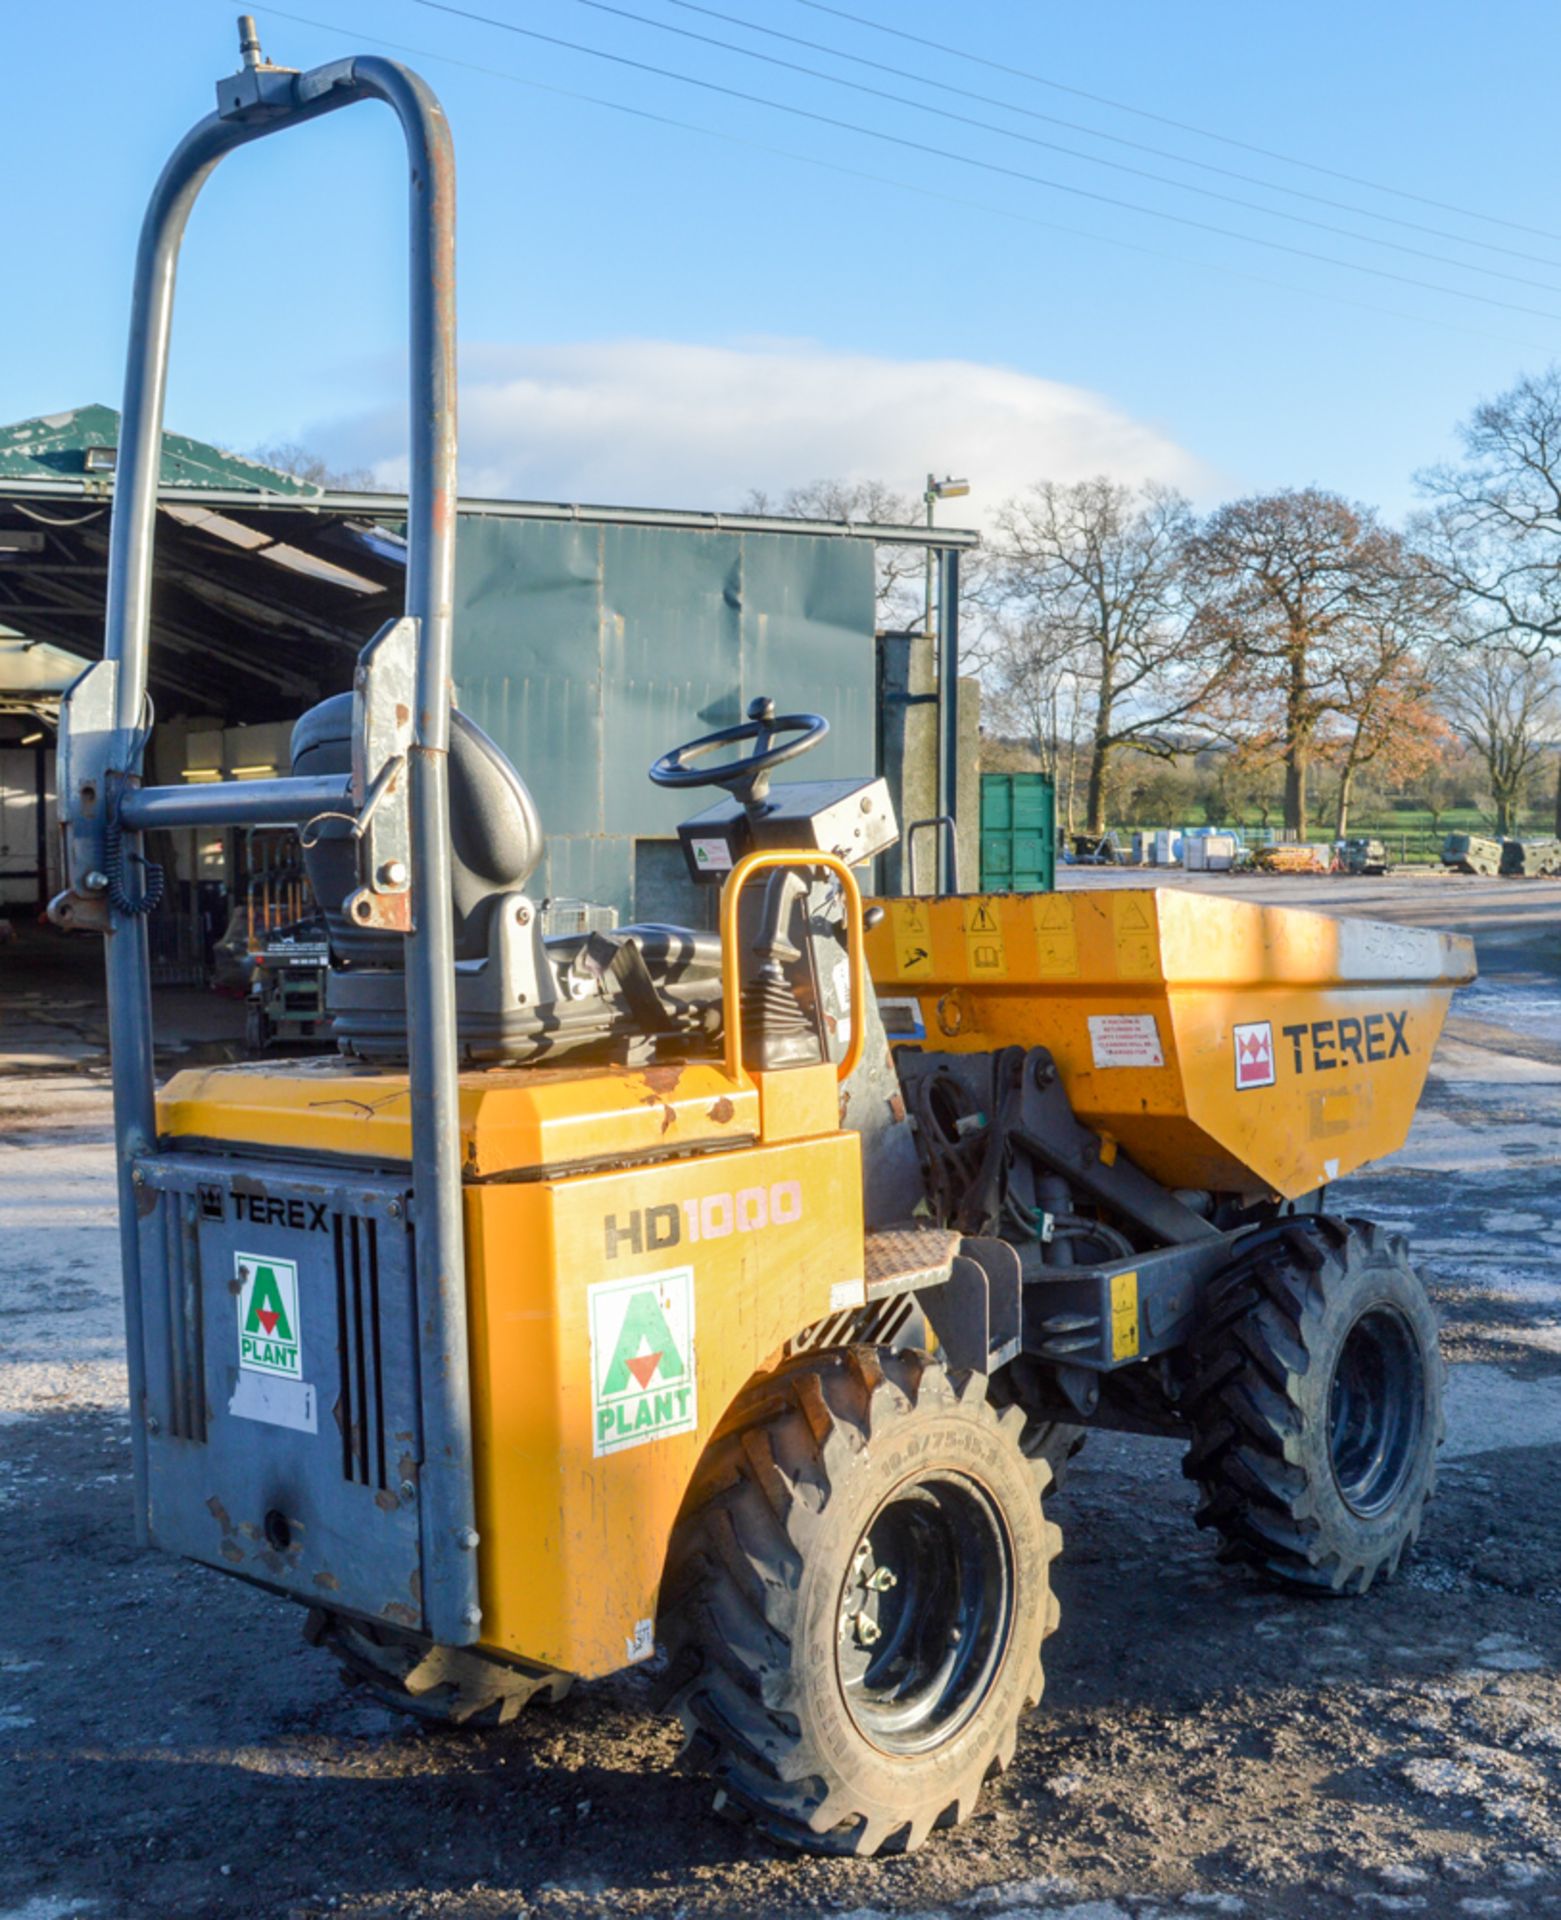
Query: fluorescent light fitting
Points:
[31, 739]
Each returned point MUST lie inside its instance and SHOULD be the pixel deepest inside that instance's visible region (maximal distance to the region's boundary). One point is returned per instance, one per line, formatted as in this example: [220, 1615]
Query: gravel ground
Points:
[169, 1747]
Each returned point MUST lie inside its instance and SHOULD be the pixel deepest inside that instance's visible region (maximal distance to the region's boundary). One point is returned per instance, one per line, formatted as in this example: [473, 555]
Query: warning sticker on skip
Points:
[1125, 1040]
[984, 944]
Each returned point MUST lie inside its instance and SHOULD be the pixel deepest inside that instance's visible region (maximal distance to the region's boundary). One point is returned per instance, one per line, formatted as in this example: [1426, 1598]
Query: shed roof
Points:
[46, 459]
[55, 446]
[266, 585]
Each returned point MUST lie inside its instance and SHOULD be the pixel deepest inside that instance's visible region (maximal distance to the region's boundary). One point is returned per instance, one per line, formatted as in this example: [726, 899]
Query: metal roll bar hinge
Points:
[384, 692]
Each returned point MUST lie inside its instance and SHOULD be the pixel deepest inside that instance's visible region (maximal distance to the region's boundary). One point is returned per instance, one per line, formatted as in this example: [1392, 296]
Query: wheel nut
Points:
[882, 1579]
[867, 1629]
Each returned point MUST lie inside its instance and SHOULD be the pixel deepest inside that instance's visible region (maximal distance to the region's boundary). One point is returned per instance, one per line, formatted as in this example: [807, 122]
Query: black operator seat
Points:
[495, 834]
[496, 845]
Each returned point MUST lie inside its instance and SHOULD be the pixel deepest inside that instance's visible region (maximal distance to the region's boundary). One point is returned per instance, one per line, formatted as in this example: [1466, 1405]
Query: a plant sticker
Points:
[269, 1336]
[642, 1359]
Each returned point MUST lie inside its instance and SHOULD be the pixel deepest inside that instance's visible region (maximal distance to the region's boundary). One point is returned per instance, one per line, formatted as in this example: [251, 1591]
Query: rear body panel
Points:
[283, 1378]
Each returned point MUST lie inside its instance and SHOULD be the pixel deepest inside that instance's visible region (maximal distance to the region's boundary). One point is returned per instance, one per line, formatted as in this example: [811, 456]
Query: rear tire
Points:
[857, 1593]
[445, 1686]
[1316, 1405]
[1055, 1442]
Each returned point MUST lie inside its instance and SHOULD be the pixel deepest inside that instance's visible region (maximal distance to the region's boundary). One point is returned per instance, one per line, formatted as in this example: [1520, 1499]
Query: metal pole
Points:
[259, 803]
[126, 630]
[256, 102]
[41, 820]
[930, 499]
[450, 1538]
[948, 711]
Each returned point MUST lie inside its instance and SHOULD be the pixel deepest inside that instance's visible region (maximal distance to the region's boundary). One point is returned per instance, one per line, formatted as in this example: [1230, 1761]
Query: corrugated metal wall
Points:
[587, 650]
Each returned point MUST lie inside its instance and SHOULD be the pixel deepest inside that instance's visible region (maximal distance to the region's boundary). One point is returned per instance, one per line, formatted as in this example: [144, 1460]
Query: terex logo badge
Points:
[1254, 1040]
[642, 1359]
[269, 1336]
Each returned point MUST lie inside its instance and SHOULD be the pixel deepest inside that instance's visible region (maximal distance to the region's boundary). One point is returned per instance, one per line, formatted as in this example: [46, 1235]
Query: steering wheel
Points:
[747, 778]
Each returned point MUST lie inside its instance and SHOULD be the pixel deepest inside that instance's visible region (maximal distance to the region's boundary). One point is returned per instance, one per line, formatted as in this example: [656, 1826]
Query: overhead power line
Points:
[1116, 139]
[897, 185]
[1181, 126]
[985, 166]
[1055, 146]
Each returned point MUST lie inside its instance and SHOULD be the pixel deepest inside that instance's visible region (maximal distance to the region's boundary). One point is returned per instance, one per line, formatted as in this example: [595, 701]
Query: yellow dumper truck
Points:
[722, 1298]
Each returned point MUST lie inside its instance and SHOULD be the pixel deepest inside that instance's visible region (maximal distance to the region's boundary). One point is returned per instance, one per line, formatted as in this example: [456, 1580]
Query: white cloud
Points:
[659, 423]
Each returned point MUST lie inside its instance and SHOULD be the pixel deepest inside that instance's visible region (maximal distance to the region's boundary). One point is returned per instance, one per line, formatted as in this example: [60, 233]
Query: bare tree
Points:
[901, 569]
[1030, 685]
[288, 457]
[1085, 581]
[1494, 528]
[1291, 585]
[1246, 779]
[1386, 724]
[1030, 688]
[1446, 779]
[1506, 704]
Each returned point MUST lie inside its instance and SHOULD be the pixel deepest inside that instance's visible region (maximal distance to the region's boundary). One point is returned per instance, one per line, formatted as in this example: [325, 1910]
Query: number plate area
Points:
[284, 1433]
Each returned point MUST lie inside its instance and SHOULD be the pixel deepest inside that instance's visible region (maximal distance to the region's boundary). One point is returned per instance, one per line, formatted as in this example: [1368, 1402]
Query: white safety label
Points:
[841, 980]
[711, 856]
[1125, 1040]
[280, 1403]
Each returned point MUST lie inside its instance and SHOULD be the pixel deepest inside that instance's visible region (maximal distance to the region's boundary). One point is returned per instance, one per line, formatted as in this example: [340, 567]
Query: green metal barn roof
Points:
[78, 444]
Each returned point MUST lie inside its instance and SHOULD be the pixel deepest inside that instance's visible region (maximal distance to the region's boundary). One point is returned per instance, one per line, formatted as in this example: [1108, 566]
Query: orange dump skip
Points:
[1226, 1045]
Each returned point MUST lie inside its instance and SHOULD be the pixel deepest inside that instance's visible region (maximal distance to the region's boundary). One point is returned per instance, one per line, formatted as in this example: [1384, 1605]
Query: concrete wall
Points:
[908, 758]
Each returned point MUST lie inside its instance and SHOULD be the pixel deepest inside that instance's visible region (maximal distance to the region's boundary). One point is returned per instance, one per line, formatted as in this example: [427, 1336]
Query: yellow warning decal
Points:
[912, 940]
[984, 948]
[1056, 943]
[1135, 938]
[1124, 1315]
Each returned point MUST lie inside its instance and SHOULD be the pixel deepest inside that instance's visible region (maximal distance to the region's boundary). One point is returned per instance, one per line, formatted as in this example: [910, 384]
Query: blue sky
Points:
[656, 314]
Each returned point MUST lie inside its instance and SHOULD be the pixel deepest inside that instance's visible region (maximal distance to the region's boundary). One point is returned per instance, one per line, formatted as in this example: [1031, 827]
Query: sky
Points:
[670, 294]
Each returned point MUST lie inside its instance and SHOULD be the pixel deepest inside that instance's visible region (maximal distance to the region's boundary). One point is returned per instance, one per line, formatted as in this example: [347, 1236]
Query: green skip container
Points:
[1018, 833]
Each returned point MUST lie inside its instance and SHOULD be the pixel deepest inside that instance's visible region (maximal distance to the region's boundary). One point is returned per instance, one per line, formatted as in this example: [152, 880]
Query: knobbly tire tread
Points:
[781, 1490]
[444, 1686]
[1055, 1442]
[1273, 1317]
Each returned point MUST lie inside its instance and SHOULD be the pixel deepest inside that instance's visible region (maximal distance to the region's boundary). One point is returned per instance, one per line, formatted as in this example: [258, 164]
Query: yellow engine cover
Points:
[1226, 1045]
[615, 1317]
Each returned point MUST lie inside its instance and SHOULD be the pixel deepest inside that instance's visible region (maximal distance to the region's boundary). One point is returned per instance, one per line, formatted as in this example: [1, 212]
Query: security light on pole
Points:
[945, 489]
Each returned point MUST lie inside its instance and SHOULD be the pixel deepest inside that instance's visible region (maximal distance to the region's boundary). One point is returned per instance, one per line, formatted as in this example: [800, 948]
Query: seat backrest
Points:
[495, 834]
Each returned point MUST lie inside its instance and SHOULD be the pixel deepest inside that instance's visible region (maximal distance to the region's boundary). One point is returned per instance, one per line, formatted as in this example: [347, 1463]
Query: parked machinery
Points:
[646, 1286]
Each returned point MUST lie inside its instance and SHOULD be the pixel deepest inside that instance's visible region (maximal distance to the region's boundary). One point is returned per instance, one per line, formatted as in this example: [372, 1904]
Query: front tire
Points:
[858, 1590]
[1316, 1405]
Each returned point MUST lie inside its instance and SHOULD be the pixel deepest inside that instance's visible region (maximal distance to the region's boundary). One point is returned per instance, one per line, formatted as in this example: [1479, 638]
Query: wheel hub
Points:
[1376, 1408]
[925, 1612]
